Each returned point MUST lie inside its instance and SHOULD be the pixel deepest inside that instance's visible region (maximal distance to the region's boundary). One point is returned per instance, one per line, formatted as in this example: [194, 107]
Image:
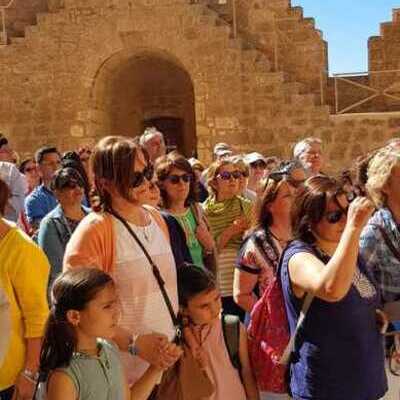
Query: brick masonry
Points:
[89, 68]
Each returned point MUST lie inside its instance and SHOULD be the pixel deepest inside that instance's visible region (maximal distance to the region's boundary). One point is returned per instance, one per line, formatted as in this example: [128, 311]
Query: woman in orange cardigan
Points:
[121, 176]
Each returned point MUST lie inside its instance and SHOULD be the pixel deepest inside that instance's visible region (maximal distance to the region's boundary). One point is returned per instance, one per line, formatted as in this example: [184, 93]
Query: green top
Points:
[98, 378]
[189, 225]
[221, 214]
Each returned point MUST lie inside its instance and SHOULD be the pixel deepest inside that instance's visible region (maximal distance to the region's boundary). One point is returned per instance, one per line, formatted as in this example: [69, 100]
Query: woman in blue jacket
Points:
[57, 227]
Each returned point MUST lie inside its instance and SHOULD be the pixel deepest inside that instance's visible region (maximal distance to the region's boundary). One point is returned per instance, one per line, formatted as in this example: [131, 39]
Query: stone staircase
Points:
[283, 34]
[20, 15]
[268, 104]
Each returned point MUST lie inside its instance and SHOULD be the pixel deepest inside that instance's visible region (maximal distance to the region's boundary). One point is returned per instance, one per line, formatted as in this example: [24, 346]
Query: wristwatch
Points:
[132, 348]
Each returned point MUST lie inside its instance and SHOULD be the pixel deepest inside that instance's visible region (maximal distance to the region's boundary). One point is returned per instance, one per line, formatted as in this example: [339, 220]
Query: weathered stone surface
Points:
[95, 67]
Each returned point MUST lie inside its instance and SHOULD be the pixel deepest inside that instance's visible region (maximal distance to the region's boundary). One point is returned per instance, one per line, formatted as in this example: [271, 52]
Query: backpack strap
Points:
[231, 331]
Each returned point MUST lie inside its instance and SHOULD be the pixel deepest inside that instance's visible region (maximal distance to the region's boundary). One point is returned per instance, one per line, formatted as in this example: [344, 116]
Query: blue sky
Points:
[347, 25]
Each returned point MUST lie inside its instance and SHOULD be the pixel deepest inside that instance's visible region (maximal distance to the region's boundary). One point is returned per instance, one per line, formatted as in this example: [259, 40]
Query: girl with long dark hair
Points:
[77, 360]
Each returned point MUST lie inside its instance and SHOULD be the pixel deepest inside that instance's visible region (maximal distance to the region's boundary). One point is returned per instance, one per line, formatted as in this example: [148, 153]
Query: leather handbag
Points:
[184, 381]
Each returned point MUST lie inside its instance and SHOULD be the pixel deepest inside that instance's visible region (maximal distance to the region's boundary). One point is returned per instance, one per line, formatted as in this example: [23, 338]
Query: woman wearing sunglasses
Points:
[179, 196]
[229, 216]
[56, 228]
[338, 353]
[121, 175]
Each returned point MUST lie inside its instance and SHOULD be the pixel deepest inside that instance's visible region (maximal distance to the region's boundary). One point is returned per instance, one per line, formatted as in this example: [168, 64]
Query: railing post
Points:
[4, 38]
[336, 96]
[234, 18]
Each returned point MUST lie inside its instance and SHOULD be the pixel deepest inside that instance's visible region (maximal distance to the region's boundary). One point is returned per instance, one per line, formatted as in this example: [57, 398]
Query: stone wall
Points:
[97, 67]
[22, 13]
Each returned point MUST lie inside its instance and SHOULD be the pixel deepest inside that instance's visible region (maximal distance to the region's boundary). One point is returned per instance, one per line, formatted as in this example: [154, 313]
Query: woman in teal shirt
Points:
[179, 195]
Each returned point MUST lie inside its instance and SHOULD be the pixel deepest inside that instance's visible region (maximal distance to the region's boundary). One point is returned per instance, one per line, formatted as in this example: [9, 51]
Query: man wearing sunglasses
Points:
[257, 166]
[42, 200]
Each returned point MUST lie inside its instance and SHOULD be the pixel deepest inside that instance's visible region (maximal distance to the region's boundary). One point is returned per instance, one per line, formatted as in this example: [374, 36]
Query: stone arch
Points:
[135, 89]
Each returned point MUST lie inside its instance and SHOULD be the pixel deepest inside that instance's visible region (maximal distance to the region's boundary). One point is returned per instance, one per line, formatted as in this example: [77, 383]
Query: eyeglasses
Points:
[226, 176]
[51, 163]
[245, 174]
[30, 169]
[258, 164]
[139, 177]
[175, 179]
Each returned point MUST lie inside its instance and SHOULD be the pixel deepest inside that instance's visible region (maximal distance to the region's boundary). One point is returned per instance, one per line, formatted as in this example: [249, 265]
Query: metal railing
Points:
[374, 83]
[3, 34]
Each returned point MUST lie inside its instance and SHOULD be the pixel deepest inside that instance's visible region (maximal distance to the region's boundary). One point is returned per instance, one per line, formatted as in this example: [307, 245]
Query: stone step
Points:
[31, 30]
[17, 40]
[292, 88]
[296, 12]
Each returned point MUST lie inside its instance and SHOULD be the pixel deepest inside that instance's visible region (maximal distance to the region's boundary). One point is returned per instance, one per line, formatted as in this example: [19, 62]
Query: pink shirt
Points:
[220, 370]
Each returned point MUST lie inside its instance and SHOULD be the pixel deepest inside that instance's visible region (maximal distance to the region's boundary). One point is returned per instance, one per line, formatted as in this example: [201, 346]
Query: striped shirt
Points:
[220, 216]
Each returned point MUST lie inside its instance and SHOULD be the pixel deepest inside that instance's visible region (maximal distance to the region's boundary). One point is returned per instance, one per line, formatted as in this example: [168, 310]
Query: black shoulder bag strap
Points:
[156, 273]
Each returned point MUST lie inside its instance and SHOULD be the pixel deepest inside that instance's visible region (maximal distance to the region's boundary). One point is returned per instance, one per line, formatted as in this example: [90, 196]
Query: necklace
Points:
[277, 238]
[145, 229]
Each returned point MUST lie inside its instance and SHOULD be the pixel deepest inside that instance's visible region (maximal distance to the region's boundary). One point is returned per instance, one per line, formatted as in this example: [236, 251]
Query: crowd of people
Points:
[130, 272]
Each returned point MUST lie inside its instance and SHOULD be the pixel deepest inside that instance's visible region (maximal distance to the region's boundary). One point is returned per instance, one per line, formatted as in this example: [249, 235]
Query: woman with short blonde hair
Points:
[379, 174]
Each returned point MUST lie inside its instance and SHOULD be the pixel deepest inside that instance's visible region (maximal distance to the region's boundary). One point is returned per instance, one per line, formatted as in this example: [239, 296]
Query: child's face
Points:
[204, 308]
[100, 316]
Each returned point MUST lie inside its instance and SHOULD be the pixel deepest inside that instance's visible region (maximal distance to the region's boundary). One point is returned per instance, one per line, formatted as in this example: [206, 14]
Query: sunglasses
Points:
[245, 174]
[226, 176]
[258, 164]
[139, 177]
[72, 184]
[175, 179]
[333, 217]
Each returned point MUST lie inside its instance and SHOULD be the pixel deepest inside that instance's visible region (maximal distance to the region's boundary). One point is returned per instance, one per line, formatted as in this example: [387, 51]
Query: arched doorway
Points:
[148, 90]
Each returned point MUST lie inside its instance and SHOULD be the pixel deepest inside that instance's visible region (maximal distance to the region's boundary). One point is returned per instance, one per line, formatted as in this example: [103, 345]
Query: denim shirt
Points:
[378, 257]
[54, 234]
[39, 203]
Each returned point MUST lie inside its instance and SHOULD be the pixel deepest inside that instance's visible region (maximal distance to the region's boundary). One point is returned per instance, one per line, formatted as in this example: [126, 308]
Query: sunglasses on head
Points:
[139, 177]
[175, 179]
[226, 176]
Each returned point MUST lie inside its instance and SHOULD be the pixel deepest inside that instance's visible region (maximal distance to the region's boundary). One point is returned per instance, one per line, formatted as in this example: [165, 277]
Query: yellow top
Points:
[24, 272]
